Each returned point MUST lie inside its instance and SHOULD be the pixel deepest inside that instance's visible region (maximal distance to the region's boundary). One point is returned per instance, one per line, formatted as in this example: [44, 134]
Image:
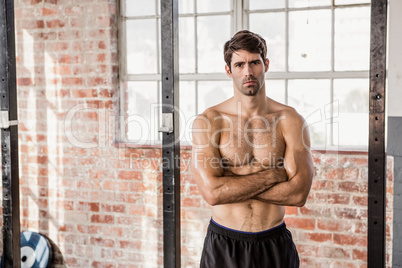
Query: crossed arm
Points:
[298, 165]
[281, 186]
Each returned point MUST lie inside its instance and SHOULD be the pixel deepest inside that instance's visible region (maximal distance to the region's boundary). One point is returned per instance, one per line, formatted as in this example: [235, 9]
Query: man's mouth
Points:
[250, 82]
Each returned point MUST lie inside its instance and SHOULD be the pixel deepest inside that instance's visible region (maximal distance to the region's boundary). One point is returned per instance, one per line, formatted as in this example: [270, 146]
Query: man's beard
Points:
[251, 90]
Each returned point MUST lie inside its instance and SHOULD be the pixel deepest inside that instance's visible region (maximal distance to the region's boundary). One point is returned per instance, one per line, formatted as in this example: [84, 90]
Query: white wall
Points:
[395, 59]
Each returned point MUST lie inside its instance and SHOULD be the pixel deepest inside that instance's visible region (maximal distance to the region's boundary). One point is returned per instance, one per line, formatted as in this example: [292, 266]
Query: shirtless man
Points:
[251, 157]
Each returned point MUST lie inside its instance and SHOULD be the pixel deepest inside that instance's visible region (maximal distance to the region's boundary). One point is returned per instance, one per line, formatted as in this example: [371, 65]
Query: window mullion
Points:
[332, 79]
[240, 19]
[196, 38]
[286, 50]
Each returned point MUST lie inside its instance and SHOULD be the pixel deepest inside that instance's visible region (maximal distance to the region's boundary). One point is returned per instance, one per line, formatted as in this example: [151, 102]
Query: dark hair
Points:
[244, 40]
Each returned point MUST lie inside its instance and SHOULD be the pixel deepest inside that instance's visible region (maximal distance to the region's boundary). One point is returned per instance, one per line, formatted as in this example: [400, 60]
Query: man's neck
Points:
[251, 105]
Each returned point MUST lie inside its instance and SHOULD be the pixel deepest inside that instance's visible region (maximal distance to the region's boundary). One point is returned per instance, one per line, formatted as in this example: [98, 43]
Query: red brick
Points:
[113, 231]
[102, 242]
[89, 229]
[352, 240]
[328, 198]
[129, 175]
[113, 208]
[129, 198]
[113, 185]
[102, 219]
[85, 93]
[350, 173]
[360, 255]
[318, 237]
[77, 22]
[360, 200]
[69, 59]
[356, 161]
[49, 11]
[97, 264]
[334, 225]
[355, 187]
[105, 21]
[62, 70]
[87, 206]
[24, 81]
[97, 81]
[191, 202]
[312, 210]
[153, 153]
[44, 36]
[332, 173]
[333, 252]
[102, 45]
[73, 10]
[72, 81]
[32, 24]
[300, 223]
[55, 23]
[137, 210]
[131, 244]
[35, 2]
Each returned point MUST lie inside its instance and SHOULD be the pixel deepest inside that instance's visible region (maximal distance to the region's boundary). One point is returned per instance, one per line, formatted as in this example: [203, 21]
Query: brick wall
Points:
[99, 203]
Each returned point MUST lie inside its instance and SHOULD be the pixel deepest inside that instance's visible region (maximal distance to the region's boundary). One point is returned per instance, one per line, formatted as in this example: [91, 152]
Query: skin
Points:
[251, 154]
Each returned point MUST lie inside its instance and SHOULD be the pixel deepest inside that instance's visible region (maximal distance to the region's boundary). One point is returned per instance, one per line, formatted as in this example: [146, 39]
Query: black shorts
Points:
[228, 248]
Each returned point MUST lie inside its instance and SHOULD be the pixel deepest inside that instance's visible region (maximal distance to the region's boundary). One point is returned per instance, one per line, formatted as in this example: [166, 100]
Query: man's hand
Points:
[273, 174]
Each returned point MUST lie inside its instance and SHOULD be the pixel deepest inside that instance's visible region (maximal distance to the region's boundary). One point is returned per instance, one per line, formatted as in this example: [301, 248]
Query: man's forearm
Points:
[288, 193]
[235, 188]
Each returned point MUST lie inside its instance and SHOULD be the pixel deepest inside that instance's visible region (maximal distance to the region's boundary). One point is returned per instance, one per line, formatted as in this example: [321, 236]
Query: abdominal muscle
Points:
[251, 215]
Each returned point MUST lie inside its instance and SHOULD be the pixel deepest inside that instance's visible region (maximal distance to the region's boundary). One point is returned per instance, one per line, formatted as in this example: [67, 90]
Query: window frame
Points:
[240, 14]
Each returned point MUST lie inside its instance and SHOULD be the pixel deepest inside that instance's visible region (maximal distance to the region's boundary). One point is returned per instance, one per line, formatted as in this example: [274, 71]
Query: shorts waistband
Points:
[249, 236]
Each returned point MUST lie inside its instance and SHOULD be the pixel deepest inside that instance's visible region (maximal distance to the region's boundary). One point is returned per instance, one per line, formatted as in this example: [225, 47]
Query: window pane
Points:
[351, 2]
[140, 8]
[142, 111]
[275, 89]
[309, 3]
[274, 36]
[141, 46]
[264, 4]
[213, 32]
[187, 45]
[351, 110]
[186, 6]
[204, 6]
[211, 93]
[352, 38]
[187, 108]
[311, 98]
[310, 40]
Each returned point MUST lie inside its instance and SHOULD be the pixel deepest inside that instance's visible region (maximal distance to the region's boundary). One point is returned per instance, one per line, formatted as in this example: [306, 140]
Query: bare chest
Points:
[245, 140]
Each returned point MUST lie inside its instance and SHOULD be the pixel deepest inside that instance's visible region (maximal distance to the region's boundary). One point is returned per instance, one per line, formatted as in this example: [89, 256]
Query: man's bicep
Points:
[206, 159]
[297, 154]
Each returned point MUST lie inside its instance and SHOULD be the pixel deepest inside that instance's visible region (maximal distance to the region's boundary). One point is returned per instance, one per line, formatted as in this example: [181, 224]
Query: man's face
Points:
[247, 71]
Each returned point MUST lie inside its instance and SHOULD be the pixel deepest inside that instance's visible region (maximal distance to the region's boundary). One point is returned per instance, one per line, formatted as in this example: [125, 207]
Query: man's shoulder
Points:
[287, 115]
[207, 119]
[284, 110]
[209, 114]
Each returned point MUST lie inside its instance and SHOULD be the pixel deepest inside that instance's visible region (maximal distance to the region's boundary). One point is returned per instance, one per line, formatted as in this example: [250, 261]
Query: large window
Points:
[319, 61]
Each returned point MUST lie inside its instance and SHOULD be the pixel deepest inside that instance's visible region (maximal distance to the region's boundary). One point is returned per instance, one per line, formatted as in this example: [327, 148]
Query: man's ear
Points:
[228, 72]
[266, 64]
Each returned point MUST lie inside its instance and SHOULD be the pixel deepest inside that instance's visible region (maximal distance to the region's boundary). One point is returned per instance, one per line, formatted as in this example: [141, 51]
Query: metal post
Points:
[171, 133]
[377, 156]
[9, 137]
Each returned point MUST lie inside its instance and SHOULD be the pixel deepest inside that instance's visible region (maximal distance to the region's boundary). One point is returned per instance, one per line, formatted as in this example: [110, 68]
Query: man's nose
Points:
[248, 70]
